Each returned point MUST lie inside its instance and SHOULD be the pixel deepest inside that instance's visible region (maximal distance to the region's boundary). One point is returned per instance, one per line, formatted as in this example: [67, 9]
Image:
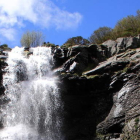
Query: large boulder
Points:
[77, 62]
[121, 45]
[81, 57]
[126, 43]
[112, 47]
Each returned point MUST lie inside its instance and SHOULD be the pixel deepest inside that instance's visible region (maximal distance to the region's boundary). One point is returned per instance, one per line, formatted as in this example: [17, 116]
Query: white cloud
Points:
[14, 13]
[18, 8]
[9, 33]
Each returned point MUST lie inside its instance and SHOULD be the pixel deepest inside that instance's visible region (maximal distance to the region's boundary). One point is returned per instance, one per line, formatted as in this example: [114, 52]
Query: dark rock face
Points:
[2, 89]
[124, 112]
[84, 101]
[77, 58]
[94, 104]
[99, 85]
[76, 63]
[2, 65]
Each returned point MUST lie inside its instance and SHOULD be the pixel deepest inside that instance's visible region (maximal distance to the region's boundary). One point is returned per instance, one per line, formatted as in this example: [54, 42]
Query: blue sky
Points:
[60, 19]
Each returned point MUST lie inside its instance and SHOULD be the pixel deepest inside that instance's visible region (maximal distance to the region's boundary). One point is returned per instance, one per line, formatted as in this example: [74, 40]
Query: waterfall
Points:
[32, 112]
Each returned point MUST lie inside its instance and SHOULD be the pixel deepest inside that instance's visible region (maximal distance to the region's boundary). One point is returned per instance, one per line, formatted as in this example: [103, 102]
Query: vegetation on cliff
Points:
[79, 40]
[128, 26]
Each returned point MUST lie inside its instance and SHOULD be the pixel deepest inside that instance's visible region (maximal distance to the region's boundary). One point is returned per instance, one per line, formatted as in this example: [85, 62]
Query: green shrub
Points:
[128, 26]
[136, 120]
[78, 40]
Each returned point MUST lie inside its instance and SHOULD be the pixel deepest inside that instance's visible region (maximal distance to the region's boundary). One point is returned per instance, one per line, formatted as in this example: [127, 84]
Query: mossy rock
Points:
[93, 76]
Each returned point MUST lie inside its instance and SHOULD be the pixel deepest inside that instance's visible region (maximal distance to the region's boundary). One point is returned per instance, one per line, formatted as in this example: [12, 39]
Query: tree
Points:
[100, 35]
[79, 40]
[127, 26]
[32, 39]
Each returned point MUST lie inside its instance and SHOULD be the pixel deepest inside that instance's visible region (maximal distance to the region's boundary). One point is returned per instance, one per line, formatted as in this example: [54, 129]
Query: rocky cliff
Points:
[100, 90]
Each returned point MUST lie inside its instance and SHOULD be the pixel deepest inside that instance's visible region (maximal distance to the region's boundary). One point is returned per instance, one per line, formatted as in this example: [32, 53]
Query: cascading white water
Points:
[32, 112]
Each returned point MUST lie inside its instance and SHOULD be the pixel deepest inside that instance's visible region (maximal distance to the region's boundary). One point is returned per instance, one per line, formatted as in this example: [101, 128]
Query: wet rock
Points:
[2, 89]
[65, 52]
[59, 57]
[3, 57]
[26, 48]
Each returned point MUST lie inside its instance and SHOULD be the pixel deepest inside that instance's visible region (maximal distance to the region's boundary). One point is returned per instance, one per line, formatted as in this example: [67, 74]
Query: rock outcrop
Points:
[100, 90]
[121, 44]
